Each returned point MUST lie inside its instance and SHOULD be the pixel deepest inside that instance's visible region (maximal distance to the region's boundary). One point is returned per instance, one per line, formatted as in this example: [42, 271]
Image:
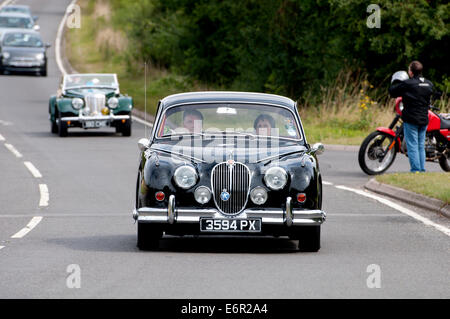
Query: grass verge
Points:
[431, 184]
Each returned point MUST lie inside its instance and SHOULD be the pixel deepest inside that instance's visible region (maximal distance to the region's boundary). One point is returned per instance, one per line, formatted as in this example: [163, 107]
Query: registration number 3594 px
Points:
[230, 225]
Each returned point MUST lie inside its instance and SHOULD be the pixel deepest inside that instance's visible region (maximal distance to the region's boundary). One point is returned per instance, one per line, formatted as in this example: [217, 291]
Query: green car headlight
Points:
[77, 103]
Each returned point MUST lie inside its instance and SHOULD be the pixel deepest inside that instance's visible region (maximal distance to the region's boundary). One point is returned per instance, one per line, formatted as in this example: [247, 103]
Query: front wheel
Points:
[148, 236]
[443, 162]
[377, 153]
[62, 128]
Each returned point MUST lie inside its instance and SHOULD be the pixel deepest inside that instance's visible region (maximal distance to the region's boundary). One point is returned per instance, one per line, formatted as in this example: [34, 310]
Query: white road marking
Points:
[59, 34]
[33, 170]
[326, 183]
[45, 196]
[2, 139]
[33, 223]
[2, 247]
[142, 121]
[13, 150]
[402, 209]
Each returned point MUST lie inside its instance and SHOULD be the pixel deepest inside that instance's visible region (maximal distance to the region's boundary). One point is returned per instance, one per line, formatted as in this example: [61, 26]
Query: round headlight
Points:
[258, 195]
[77, 103]
[6, 55]
[113, 102]
[40, 56]
[202, 194]
[185, 176]
[275, 178]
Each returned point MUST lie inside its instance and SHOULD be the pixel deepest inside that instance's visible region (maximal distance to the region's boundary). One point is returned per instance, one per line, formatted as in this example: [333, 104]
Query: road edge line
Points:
[398, 207]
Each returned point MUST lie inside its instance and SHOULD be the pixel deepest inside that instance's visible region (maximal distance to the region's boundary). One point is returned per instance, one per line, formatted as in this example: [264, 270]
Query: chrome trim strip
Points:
[95, 118]
[171, 211]
[288, 216]
[269, 217]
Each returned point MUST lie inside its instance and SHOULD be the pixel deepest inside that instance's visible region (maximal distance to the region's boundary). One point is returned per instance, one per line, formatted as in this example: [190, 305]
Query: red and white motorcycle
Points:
[378, 150]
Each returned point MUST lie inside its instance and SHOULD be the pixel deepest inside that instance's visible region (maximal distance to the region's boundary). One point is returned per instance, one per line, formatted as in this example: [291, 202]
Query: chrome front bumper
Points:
[287, 217]
[82, 118]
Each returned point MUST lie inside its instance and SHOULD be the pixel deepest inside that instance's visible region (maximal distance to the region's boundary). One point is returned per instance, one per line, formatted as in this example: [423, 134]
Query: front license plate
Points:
[91, 124]
[230, 225]
[22, 64]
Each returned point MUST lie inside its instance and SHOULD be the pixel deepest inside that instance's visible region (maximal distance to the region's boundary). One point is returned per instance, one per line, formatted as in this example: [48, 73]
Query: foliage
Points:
[289, 47]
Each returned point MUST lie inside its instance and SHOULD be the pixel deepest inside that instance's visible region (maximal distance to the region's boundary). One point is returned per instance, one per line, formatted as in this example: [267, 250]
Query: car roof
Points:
[227, 96]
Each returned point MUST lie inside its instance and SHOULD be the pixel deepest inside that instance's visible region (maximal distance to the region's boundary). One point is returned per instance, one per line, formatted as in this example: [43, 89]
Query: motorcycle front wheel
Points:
[374, 156]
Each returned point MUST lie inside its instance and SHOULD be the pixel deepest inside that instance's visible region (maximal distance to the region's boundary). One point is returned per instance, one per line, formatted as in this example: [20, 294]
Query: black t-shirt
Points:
[416, 94]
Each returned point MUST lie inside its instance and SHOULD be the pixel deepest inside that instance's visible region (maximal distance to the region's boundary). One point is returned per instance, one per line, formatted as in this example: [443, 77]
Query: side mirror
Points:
[318, 148]
[35, 18]
[47, 45]
[143, 144]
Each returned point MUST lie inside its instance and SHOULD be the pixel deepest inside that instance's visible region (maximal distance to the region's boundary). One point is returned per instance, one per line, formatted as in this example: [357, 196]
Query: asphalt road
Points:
[90, 178]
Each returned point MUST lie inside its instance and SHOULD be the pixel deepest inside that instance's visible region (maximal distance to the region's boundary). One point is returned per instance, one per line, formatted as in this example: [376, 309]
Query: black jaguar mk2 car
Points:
[228, 163]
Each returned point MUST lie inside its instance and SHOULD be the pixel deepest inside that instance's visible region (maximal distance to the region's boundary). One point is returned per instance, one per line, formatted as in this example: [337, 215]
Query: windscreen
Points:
[16, 22]
[90, 80]
[255, 119]
[22, 40]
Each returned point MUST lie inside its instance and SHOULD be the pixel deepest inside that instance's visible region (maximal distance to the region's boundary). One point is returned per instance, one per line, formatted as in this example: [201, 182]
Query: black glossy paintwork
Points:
[160, 161]
[159, 164]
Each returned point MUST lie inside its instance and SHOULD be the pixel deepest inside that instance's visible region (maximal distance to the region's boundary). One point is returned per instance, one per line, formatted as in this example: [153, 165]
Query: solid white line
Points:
[2, 138]
[13, 150]
[33, 170]
[142, 121]
[45, 196]
[58, 39]
[326, 183]
[33, 223]
[402, 209]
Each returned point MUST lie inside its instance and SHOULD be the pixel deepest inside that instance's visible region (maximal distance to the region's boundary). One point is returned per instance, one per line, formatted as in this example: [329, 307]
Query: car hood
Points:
[23, 51]
[217, 150]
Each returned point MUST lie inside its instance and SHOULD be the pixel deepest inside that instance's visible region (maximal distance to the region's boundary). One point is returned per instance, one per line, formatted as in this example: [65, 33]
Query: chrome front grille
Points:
[95, 103]
[233, 179]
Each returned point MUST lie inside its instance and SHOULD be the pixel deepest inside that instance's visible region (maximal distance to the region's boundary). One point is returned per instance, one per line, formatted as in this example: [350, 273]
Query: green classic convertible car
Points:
[90, 101]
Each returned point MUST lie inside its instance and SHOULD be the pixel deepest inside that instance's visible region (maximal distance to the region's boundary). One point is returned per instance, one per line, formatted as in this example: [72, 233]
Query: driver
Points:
[263, 124]
[193, 121]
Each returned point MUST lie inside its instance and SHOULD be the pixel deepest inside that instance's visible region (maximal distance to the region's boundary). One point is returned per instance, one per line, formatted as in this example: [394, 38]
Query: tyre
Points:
[148, 236]
[372, 158]
[43, 72]
[443, 162]
[53, 127]
[308, 238]
[62, 128]
[126, 128]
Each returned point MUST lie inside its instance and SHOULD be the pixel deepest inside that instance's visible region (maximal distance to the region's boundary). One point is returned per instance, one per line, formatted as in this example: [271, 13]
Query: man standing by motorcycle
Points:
[416, 94]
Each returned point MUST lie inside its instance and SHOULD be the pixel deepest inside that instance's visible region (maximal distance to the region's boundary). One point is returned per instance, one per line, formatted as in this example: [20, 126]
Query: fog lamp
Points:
[258, 195]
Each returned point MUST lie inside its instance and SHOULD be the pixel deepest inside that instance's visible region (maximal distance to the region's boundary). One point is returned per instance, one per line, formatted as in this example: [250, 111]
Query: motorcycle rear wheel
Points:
[372, 150]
